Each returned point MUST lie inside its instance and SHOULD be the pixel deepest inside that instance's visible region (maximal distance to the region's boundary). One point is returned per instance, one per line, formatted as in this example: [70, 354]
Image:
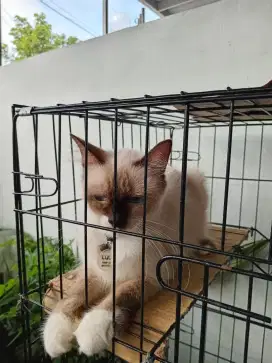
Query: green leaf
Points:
[248, 249]
[28, 39]
[10, 284]
[9, 292]
[2, 290]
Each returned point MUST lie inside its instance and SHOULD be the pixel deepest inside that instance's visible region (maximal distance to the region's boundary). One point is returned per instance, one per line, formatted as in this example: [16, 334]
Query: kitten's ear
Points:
[158, 156]
[95, 154]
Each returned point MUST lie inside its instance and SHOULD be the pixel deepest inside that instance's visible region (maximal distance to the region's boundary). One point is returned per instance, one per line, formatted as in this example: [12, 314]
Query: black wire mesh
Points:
[226, 133]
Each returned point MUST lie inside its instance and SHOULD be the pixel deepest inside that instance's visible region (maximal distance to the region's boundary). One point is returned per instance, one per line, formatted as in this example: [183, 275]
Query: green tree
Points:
[30, 40]
[5, 54]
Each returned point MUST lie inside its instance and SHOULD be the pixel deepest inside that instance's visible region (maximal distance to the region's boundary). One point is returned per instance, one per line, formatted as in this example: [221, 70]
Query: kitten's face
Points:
[129, 206]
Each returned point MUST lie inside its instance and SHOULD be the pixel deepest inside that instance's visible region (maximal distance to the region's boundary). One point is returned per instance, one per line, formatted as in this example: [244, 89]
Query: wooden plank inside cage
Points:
[160, 311]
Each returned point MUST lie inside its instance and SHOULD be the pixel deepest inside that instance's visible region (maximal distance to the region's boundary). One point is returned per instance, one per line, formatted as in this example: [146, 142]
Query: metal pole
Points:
[0, 33]
[141, 18]
[143, 15]
[105, 16]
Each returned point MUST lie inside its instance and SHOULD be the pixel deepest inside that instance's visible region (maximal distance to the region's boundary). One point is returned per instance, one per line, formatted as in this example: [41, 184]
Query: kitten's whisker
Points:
[146, 266]
[158, 233]
[153, 222]
[162, 225]
[162, 235]
[155, 248]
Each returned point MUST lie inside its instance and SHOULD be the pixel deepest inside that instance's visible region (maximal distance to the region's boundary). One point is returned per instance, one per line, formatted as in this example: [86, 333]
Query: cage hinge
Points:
[25, 111]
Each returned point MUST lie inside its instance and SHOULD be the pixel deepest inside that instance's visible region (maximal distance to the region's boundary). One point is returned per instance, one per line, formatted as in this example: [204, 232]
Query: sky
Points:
[86, 13]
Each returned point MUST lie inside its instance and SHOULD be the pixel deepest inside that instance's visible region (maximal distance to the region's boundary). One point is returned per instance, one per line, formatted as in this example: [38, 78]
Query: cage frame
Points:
[184, 105]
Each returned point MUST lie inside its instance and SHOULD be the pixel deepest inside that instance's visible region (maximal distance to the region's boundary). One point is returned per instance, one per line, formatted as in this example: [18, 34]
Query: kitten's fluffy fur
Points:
[95, 331]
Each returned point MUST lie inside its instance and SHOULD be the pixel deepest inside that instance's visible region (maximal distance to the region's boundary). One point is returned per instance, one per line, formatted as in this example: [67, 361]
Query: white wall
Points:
[224, 44]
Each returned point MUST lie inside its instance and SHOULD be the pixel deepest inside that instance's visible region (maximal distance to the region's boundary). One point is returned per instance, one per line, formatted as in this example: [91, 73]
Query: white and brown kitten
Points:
[95, 331]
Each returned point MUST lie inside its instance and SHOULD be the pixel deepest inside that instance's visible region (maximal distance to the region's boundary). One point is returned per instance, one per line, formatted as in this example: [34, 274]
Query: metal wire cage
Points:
[227, 134]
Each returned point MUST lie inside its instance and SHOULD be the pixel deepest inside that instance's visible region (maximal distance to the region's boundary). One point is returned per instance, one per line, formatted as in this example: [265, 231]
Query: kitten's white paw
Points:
[95, 331]
[58, 334]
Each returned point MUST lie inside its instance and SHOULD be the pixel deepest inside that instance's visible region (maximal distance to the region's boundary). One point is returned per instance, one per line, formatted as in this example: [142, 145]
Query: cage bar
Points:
[207, 125]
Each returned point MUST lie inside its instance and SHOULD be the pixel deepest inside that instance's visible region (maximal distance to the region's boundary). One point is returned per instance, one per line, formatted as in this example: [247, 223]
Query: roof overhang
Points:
[170, 7]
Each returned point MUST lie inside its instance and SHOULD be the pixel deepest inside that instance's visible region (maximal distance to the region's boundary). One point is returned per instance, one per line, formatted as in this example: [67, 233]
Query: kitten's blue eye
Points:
[135, 199]
[99, 198]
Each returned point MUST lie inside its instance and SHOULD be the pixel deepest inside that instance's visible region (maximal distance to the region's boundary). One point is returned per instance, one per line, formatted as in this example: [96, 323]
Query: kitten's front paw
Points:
[95, 332]
[58, 334]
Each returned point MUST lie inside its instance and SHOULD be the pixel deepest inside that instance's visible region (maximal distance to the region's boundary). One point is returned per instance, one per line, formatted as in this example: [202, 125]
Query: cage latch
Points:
[34, 179]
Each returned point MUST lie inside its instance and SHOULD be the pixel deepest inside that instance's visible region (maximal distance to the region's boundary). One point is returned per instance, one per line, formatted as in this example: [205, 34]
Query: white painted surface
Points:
[224, 44]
